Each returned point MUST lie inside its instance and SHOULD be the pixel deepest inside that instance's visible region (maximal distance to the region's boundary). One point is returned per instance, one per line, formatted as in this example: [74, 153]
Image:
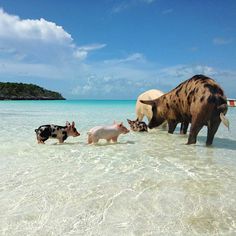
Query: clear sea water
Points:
[146, 184]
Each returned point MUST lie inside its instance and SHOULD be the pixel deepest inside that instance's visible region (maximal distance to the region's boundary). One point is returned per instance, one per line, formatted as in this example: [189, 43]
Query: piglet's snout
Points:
[76, 134]
[73, 132]
[125, 130]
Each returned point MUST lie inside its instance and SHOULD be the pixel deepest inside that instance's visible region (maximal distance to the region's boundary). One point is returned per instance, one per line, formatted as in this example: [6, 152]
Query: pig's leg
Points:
[212, 127]
[184, 127]
[172, 125]
[196, 126]
[61, 140]
[114, 139]
[41, 140]
[164, 125]
[95, 139]
[90, 140]
[108, 140]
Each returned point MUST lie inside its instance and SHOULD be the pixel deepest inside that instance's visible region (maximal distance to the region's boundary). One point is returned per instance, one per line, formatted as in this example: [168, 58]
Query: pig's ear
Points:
[148, 102]
[120, 125]
[129, 121]
[67, 123]
[73, 124]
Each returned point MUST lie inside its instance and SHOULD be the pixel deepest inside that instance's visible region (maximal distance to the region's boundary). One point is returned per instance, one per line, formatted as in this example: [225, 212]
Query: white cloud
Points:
[127, 81]
[91, 47]
[26, 70]
[193, 49]
[167, 11]
[121, 7]
[39, 41]
[82, 52]
[222, 41]
[12, 27]
[184, 71]
[135, 57]
[130, 4]
[98, 86]
[148, 1]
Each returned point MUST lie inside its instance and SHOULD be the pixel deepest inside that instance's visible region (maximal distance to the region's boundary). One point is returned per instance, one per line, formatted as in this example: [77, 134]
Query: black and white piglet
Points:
[61, 133]
[138, 126]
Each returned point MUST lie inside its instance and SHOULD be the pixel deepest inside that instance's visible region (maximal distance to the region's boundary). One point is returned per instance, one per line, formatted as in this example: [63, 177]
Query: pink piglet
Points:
[110, 133]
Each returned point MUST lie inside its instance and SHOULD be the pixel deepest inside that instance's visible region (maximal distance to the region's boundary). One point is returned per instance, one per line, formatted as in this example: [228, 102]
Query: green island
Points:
[22, 91]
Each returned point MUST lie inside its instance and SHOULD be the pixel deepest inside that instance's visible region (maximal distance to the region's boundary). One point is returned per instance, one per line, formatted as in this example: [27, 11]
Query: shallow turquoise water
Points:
[146, 184]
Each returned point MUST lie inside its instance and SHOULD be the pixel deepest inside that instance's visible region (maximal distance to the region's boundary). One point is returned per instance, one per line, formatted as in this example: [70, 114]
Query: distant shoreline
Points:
[22, 91]
[30, 99]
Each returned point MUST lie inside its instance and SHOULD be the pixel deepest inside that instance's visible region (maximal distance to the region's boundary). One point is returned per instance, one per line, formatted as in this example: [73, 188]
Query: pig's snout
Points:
[126, 131]
[76, 134]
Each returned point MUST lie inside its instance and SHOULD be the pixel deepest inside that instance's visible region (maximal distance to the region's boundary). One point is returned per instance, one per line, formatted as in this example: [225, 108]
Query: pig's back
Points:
[143, 109]
[103, 131]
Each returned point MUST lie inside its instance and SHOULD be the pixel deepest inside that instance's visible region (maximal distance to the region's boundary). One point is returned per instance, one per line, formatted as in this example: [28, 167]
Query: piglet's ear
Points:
[129, 121]
[120, 125]
[73, 123]
[67, 123]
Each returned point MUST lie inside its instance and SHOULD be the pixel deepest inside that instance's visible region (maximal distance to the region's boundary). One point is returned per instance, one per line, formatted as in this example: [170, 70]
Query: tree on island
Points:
[22, 91]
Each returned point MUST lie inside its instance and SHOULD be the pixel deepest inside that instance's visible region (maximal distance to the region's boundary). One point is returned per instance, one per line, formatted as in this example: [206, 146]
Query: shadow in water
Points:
[66, 143]
[97, 144]
[108, 144]
[222, 143]
[128, 142]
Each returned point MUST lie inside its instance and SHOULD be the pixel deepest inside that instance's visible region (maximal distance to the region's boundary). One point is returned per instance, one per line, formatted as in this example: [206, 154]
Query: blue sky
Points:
[115, 49]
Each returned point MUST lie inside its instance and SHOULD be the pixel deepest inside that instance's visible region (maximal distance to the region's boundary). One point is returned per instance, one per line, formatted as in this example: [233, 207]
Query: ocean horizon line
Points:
[51, 100]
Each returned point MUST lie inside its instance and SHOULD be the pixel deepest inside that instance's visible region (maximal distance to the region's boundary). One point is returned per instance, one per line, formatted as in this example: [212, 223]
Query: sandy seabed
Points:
[146, 184]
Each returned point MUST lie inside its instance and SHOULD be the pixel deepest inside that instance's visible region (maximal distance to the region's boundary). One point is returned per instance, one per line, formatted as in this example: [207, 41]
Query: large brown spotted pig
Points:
[61, 133]
[199, 101]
